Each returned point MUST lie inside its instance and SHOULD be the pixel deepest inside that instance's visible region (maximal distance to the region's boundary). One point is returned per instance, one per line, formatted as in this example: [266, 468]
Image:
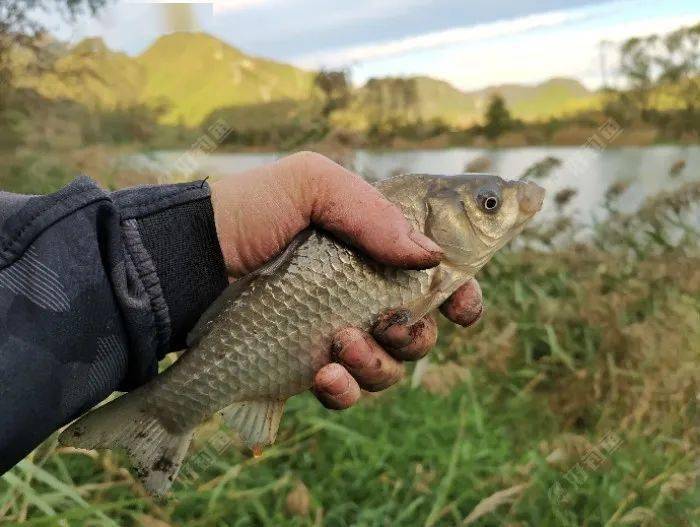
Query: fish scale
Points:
[278, 334]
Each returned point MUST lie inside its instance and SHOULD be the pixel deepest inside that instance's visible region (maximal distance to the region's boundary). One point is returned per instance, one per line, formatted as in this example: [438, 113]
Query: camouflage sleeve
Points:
[95, 287]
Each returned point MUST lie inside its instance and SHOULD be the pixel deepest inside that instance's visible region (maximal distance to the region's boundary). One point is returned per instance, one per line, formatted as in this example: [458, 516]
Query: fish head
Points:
[471, 216]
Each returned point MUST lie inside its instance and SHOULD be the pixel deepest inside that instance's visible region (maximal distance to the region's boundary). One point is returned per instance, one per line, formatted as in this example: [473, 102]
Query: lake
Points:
[588, 171]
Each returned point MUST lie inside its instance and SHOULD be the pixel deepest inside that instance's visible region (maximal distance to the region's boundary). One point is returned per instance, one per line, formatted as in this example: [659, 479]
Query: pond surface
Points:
[588, 171]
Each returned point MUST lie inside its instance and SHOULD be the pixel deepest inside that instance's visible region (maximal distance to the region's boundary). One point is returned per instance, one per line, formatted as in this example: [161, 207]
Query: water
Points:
[587, 171]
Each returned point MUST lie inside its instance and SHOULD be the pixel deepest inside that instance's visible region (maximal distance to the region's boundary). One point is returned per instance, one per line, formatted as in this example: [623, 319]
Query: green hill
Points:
[92, 75]
[407, 100]
[197, 74]
[194, 76]
[411, 98]
[551, 98]
[190, 74]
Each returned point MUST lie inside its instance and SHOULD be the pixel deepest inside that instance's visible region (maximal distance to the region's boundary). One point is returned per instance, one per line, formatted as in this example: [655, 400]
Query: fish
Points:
[265, 337]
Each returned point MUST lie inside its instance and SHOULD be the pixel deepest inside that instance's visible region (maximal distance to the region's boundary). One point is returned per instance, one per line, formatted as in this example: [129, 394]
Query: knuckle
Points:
[388, 375]
[311, 169]
[348, 334]
[305, 160]
[352, 348]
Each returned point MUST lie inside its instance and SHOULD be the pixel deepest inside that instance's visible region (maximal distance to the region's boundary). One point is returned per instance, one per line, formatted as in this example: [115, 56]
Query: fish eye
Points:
[488, 201]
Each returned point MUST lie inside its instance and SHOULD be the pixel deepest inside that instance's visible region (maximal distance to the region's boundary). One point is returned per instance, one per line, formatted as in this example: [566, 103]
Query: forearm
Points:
[94, 289]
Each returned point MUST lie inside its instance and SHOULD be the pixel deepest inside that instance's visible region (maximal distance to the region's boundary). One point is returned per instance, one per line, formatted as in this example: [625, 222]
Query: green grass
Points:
[401, 460]
[575, 345]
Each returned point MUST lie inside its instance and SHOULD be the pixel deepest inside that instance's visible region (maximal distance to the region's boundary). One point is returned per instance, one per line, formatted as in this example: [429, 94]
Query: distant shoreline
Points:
[633, 137]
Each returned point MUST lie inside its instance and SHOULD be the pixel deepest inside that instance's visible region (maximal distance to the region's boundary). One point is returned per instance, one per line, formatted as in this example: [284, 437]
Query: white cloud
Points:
[227, 6]
[296, 14]
[537, 57]
[458, 35]
[219, 6]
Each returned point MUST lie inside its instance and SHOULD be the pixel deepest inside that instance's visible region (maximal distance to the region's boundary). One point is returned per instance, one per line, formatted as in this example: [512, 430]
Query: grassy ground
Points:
[33, 171]
[573, 403]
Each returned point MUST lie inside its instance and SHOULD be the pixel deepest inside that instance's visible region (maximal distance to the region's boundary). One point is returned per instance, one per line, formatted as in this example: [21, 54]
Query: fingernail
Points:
[336, 349]
[400, 317]
[416, 329]
[393, 330]
[426, 243]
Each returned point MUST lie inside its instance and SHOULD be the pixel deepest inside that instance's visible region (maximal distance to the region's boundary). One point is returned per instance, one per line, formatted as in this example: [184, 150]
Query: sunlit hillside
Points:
[88, 73]
[192, 75]
[197, 73]
[424, 98]
[552, 98]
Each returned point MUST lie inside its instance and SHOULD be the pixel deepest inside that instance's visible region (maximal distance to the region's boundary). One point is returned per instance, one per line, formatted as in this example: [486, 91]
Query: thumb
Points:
[343, 203]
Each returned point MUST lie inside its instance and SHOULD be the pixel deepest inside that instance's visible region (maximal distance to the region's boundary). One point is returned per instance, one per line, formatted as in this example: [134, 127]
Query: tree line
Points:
[660, 74]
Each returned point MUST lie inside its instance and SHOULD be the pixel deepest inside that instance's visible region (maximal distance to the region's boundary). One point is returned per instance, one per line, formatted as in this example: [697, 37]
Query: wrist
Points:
[180, 236]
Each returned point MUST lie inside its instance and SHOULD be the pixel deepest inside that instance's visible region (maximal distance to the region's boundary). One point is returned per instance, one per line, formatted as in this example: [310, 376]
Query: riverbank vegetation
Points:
[573, 402]
[57, 96]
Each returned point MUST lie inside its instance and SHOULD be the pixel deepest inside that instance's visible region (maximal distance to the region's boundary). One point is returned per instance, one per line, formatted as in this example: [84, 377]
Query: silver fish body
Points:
[270, 341]
[265, 338]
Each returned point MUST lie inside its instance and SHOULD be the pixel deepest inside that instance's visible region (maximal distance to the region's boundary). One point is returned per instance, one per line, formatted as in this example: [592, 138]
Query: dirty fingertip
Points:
[465, 306]
[335, 388]
[430, 252]
[423, 335]
[392, 329]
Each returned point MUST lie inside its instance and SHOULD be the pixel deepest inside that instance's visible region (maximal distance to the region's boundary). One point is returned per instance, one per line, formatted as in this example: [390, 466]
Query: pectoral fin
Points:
[255, 421]
[445, 282]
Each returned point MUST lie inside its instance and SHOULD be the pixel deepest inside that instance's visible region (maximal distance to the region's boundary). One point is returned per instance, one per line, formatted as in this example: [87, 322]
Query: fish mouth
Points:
[530, 197]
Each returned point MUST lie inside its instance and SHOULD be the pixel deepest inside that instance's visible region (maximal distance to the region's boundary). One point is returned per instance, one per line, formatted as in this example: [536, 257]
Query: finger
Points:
[403, 341]
[465, 306]
[372, 367]
[345, 204]
[335, 387]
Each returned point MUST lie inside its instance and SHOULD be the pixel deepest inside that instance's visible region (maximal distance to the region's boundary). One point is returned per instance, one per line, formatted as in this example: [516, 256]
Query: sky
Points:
[471, 44]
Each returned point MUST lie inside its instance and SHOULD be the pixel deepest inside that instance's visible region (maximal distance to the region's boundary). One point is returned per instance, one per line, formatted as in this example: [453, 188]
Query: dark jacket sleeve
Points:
[95, 287]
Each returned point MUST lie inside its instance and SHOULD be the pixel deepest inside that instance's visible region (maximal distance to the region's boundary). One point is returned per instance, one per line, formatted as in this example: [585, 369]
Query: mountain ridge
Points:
[193, 75]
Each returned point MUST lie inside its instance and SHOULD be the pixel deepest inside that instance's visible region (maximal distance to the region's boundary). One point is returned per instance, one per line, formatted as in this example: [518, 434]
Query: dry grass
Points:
[578, 341]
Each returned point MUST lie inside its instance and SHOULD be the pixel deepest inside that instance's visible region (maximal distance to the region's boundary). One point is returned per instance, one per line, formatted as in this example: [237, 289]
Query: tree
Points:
[637, 65]
[498, 119]
[21, 33]
[666, 66]
[680, 64]
[336, 89]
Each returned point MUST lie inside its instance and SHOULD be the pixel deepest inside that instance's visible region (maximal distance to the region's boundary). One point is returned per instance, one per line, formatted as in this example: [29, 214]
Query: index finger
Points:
[343, 203]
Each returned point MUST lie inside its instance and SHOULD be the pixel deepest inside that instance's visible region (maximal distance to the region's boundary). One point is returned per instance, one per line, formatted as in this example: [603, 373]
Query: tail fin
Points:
[155, 453]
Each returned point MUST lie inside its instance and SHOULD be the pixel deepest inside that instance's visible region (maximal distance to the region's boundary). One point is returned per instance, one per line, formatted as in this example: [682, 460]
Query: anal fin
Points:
[256, 422]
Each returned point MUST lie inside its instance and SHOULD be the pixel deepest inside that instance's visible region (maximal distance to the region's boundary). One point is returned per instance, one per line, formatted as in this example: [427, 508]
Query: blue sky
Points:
[469, 43]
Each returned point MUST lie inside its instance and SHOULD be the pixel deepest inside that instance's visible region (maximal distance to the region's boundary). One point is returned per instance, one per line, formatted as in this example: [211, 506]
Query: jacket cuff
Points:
[176, 228]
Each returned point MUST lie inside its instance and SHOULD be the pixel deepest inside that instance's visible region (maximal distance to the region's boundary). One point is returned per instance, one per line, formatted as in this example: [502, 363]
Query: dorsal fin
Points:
[233, 291]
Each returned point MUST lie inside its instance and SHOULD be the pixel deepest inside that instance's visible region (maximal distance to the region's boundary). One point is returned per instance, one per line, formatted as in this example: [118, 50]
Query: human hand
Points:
[257, 213]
